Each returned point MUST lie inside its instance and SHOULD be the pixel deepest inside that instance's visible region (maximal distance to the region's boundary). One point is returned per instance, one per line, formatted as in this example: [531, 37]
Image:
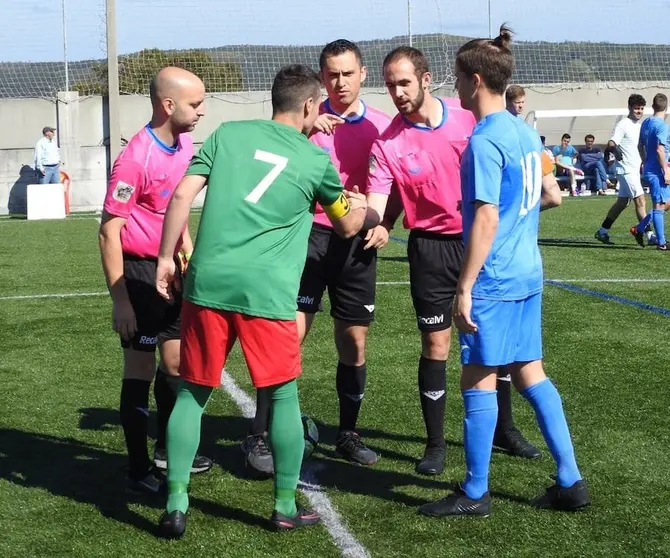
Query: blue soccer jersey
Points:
[653, 132]
[502, 165]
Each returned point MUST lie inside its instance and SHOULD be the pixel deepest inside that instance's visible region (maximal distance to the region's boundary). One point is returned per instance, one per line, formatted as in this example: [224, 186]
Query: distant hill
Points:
[537, 63]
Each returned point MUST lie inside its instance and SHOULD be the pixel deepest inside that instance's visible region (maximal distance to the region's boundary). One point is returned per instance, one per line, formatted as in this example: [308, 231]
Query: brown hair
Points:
[414, 55]
[660, 102]
[490, 58]
[514, 92]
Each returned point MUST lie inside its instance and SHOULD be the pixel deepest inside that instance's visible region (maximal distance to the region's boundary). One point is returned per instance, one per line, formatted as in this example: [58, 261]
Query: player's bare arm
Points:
[551, 193]
[347, 213]
[109, 236]
[482, 234]
[378, 236]
[176, 218]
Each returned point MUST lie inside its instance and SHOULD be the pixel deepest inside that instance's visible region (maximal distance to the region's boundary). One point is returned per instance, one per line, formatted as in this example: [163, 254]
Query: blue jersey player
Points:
[654, 151]
[498, 300]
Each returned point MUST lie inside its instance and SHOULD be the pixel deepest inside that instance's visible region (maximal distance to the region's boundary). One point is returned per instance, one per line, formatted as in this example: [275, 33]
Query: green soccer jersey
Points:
[264, 179]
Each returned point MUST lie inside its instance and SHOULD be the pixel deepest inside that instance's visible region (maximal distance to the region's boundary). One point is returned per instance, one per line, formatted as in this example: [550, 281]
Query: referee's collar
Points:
[353, 119]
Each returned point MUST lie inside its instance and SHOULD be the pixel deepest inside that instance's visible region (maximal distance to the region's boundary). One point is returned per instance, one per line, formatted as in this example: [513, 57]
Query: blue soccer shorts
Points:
[658, 190]
[507, 332]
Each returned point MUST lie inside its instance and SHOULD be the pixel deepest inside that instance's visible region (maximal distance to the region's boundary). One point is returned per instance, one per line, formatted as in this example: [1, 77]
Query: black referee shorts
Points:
[157, 319]
[434, 266]
[345, 269]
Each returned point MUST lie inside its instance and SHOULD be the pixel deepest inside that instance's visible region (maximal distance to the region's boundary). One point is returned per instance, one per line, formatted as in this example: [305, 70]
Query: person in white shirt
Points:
[626, 137]
[47, 158]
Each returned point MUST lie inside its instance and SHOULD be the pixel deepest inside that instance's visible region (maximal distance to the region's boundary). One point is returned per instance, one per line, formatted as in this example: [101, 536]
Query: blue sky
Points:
[31, 30]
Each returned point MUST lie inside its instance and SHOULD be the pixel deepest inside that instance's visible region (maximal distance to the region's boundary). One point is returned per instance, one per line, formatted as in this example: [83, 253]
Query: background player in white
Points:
[626, 137]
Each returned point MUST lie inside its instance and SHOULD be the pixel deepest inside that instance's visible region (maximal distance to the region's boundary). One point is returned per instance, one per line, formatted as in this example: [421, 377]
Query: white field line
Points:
[650, 281]
[318, 499]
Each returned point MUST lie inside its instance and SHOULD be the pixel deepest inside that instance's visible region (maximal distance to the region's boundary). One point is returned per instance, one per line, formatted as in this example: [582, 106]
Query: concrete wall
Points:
[82, 130]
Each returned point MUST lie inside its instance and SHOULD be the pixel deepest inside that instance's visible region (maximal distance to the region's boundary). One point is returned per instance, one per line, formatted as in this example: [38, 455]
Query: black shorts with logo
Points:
[157, 319]
[434, 267]
[345, 269]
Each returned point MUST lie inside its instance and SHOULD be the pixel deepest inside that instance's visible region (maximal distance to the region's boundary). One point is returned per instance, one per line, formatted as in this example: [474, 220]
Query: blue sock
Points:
[642, 225]
[658, 215]
[481, 414]
[546, 402]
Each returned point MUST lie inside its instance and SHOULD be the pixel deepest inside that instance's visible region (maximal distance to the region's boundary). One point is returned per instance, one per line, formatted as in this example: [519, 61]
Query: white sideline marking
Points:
[318, 499]
[382, 283]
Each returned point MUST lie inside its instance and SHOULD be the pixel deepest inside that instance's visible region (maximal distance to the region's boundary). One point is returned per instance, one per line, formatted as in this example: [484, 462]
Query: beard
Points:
[413, 105]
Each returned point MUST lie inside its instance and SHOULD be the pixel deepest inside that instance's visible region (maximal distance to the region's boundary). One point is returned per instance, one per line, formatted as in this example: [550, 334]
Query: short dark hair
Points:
[335, 48]
[514, 92]
[636, 100]
[660, 102]
[566, 136]
[490, 58]
[543, 139]
[292, 86]
[414, 55]
[587, 136]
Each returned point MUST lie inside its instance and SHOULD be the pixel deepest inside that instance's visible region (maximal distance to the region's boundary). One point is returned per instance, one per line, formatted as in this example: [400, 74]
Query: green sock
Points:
[288, 445]
[183, 439]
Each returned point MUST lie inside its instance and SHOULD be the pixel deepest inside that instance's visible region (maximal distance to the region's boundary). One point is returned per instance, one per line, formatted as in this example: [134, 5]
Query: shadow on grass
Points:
[583, 243]
[221, 437]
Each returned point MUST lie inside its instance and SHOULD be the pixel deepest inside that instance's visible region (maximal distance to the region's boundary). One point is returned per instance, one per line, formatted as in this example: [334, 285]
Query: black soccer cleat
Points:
[513, 442]
[639, 236]
[153, 484]
[201, 464]
[432, 462]
[172, 525]
[572, 498]
[304, 518]
[350, 446]
[257, 455]
[458, 504]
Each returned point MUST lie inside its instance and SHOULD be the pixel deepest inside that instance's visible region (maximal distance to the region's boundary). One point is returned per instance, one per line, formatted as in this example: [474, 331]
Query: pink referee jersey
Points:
[144, 176]
[349, 148]
[425, 164]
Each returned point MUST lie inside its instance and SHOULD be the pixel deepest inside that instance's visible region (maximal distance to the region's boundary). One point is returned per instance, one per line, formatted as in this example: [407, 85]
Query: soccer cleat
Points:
[513, 442]
[639, 236]
[432, 462]
[350, 446]
[153, 483]
[458, 504]
[572, 498]
[172, 525]
[257, 455]
[603, 237]
[201, 464]
[304, 518]
[662, 247]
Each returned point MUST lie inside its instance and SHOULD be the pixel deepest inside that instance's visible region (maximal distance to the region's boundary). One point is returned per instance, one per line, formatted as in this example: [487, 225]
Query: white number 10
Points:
[279, 163]
[531, 168]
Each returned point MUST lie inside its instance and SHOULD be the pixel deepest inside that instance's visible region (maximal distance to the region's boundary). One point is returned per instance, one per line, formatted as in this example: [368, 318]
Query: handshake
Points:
[356, 199]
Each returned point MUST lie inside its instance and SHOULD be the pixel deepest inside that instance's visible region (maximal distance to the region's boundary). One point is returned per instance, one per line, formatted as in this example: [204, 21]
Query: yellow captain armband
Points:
[339, 208]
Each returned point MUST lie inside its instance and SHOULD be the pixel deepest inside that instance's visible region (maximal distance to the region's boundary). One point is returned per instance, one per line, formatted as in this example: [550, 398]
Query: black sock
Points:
[433, 394]
[350, 384]
[261, 421]
[505, 420]
[134, 420]
[165, 393]
[607, 223]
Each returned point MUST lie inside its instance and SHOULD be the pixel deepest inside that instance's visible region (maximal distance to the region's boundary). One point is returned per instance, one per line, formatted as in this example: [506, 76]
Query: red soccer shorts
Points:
[271, 347]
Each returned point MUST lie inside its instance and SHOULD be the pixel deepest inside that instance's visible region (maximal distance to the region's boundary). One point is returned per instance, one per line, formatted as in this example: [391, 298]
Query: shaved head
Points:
[178, 96]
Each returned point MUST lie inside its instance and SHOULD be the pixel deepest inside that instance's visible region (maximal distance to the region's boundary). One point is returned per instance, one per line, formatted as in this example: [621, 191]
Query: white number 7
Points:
[279, 163]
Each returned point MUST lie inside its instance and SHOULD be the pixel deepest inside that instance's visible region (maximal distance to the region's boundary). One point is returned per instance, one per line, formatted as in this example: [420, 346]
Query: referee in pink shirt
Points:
[416, 162]
[144, 176]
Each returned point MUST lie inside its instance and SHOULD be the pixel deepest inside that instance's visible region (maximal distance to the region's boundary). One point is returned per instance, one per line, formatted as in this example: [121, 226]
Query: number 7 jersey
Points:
[264, 180]
[503, 166]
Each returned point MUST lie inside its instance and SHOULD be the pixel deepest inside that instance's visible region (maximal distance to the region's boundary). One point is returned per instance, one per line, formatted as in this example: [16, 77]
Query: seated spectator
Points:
[592, 159]
[565, 156]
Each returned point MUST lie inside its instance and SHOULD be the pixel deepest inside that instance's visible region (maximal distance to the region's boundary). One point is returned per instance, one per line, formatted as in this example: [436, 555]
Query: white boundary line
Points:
[651, 281]
[318, 499]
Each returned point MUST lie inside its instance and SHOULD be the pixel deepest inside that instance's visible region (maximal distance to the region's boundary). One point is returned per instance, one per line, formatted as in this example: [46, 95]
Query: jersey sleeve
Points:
[203, 160]
[380, 178]
[662, 135]
[127, 181]
[618, 133]
[486, 171]
[556, 150]
[330, 194]
[547, 164]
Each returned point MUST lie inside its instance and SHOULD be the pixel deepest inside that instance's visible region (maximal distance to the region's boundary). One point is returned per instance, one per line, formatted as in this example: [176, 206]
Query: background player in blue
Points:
[499, 295]
[654, 151]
